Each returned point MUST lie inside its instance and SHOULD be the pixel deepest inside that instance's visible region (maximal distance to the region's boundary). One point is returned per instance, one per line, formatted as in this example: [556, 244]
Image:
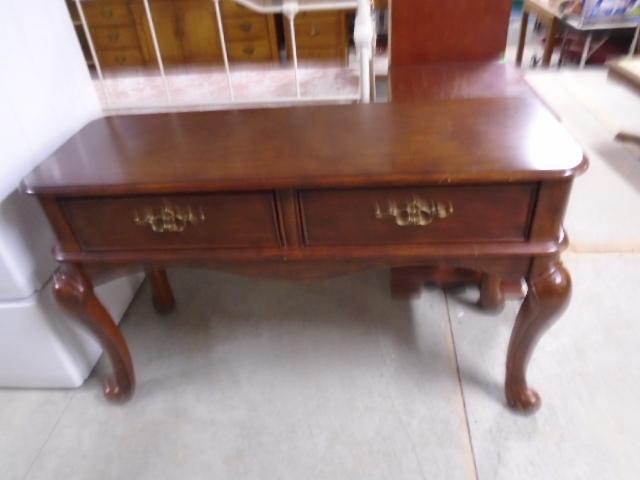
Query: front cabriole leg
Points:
[549, 292]
[73, 291]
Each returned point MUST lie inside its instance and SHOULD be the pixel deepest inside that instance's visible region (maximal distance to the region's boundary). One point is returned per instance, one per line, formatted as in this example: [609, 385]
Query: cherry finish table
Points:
[434, 191]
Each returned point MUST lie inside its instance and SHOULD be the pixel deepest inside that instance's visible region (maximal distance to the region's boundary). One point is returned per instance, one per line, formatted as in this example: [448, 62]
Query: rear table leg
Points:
[161, 293]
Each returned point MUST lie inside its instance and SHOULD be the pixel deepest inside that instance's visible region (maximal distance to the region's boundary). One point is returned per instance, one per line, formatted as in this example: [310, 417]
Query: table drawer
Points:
[256, 50]
[115, 37]
[417, 215]
[176, 221]
[106, 13]
[246, 28]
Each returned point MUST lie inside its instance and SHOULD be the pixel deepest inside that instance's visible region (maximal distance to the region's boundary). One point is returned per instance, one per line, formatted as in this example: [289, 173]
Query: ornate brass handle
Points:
[416, 213]
[114, 35]
[314, 31]
[121, 59]
[249, 49]
[106, 13]
[246, 27]
[169, 218]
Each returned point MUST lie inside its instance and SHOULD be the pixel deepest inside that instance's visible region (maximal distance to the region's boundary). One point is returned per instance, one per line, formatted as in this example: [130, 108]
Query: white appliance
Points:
[46, 95]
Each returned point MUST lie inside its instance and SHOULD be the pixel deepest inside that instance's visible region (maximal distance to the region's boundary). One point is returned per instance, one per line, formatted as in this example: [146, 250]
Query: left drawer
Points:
[229, 220]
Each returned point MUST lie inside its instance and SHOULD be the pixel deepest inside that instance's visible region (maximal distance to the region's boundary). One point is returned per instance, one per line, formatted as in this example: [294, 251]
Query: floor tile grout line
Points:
[464, 402]
[53, 429]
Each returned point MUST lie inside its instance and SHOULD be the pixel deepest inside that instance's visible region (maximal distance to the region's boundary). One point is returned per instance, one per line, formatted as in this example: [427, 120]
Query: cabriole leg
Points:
[549, 291]
[73, 291]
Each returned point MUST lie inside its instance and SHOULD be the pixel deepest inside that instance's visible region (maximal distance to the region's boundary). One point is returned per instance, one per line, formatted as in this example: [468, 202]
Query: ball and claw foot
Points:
[526, 401]
[115, 393]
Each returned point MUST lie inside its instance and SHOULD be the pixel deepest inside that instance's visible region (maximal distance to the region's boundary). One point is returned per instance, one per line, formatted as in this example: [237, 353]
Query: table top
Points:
[459, 141]
[443, 81]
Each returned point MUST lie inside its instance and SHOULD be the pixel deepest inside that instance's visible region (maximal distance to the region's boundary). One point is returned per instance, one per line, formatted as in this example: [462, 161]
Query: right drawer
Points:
[479, 213]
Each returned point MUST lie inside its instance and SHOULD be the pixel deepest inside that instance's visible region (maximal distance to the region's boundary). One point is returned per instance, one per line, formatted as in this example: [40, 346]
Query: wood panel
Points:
[452, 31]
[198, 31]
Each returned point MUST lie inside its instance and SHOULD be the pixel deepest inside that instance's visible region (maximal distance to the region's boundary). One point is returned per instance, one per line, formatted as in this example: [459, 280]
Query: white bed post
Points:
[290, 10]
[363, 37]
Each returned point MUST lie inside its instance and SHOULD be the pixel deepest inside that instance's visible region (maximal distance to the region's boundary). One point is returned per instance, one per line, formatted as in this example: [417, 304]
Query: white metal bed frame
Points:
[364, 38]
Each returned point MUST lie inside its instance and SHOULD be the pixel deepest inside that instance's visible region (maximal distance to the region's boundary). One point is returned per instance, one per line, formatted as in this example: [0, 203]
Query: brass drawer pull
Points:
[314, 31]
[416, 212]
[169, 219]
[121, 59]
[106, 13]
[114, 36]
[249, 50]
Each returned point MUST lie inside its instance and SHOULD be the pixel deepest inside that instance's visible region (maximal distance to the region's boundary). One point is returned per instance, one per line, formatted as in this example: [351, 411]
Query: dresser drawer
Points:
[417, 215]
[107, 13]
[115, 37]
[176, 221]
[256, 50]
[328, 53]
[229, 8]
[319, 31]
[249, 28]
[123, 57]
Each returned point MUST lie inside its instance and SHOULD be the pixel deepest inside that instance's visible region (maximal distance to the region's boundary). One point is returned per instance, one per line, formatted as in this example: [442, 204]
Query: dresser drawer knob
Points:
[314, 31]
[249, 50]
[416, 212]
[114, 36]
[168, 218]
[246, 27]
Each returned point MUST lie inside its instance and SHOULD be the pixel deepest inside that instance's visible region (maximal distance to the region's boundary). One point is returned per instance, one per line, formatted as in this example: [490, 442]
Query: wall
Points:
[46, 95]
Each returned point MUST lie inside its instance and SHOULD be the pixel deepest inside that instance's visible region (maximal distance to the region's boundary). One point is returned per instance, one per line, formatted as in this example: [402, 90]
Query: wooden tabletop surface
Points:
[478, 140]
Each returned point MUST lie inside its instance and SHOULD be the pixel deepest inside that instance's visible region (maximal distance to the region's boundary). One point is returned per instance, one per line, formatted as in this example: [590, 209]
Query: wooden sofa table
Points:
[429, 190]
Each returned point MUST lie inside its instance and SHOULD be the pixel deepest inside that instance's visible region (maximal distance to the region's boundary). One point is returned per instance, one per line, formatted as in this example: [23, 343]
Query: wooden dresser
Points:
[187, 32]
[428, 190]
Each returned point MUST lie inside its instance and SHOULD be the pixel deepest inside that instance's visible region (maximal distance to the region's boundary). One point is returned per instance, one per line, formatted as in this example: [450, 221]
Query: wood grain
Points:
[385, 144]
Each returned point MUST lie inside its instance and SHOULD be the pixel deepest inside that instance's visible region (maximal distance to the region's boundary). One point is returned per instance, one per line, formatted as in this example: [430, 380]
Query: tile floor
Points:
[253, 379]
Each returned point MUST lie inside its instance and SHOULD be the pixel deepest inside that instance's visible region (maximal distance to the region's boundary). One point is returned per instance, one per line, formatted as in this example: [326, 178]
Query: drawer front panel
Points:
[121, 58]
[330, 53]
[230, 8]
[417, 215]
[115, 37]
[176, 221]
[318, 32]
[249, 51]
[246, 28]
[102, 13]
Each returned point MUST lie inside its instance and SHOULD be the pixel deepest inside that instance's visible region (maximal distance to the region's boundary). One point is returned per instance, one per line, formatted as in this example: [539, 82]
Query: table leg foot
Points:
[161, 294]
[74, 293]
[548, 295]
